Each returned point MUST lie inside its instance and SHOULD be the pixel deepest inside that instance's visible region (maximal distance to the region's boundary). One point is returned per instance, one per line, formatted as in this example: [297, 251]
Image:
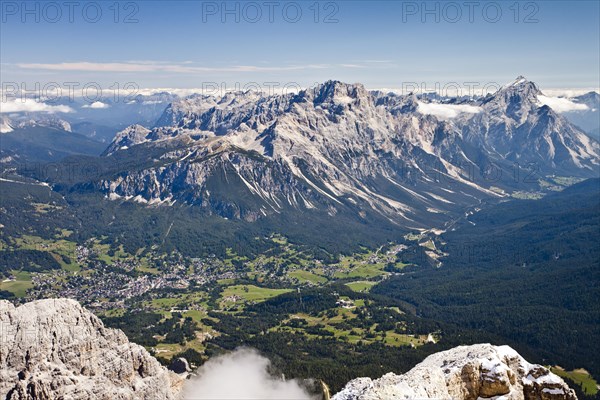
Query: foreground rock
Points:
[55, 349]
[465, 373]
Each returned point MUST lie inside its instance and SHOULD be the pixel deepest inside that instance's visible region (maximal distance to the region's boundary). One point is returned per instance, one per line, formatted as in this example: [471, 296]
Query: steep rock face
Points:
[465, 373]
[55, 349]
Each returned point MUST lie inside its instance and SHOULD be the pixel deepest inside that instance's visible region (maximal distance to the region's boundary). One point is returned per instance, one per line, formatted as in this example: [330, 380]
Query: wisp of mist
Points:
[241, 375]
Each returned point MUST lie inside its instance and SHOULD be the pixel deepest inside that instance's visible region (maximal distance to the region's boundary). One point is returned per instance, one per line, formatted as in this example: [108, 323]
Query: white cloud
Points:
[31, 105]
[96, 104]
[185, 67]
[241, 375]
[560, 104]
[446, 111]
[568, 93]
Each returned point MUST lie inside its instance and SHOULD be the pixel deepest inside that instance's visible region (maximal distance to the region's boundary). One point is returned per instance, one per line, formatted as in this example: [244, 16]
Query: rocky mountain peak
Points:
[339, 93]
[515, 99]
[522, 84]
[54, 348]
[130, 136]
[472, 372]
[591, 99]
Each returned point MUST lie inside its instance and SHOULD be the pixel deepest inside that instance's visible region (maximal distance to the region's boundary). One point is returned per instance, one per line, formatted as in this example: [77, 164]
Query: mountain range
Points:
[333, 155]
[332, 168]
[341, 149]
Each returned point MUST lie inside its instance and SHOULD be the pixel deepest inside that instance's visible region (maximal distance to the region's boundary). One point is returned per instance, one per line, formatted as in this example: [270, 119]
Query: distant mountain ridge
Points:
[43, 142]
[341, 148]
[589, 119]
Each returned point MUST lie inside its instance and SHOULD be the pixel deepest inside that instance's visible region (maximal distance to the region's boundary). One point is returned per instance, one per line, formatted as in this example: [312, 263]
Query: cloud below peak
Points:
[241, 375]
[561, 104]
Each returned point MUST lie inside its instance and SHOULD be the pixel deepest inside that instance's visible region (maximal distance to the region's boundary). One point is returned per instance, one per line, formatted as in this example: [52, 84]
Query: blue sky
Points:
[381, 44]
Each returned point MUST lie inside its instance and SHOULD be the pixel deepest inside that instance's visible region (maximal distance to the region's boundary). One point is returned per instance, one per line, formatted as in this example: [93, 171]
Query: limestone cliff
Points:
[55, 349]
[465, 373]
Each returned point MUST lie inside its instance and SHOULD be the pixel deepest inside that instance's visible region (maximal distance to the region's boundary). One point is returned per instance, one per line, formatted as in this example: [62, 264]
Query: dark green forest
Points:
[526, 270]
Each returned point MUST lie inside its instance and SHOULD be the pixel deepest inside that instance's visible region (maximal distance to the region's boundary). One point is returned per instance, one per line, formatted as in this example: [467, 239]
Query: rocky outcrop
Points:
[55, 349]
[134, 134]
[465, 373]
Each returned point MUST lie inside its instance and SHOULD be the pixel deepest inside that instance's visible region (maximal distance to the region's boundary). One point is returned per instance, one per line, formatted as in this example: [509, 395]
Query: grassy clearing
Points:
[117, 312]
[196, 315]
[148, 270]
[166, 302]
[413, 236]
[361, 286]
[19, 286]
[354, 335]
[564, 180]
[428, 245]
[251, 293]
[102, 252]
[307, 276]
[168, 350]
[58, 248]
[581, 377]
[366, 271]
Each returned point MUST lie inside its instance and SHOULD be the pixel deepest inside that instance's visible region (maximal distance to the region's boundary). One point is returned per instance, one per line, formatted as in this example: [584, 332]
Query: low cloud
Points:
[96, 104]
[560, 104]
[31, 105]
[241, 375]
[568, 93]
[446, 111]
